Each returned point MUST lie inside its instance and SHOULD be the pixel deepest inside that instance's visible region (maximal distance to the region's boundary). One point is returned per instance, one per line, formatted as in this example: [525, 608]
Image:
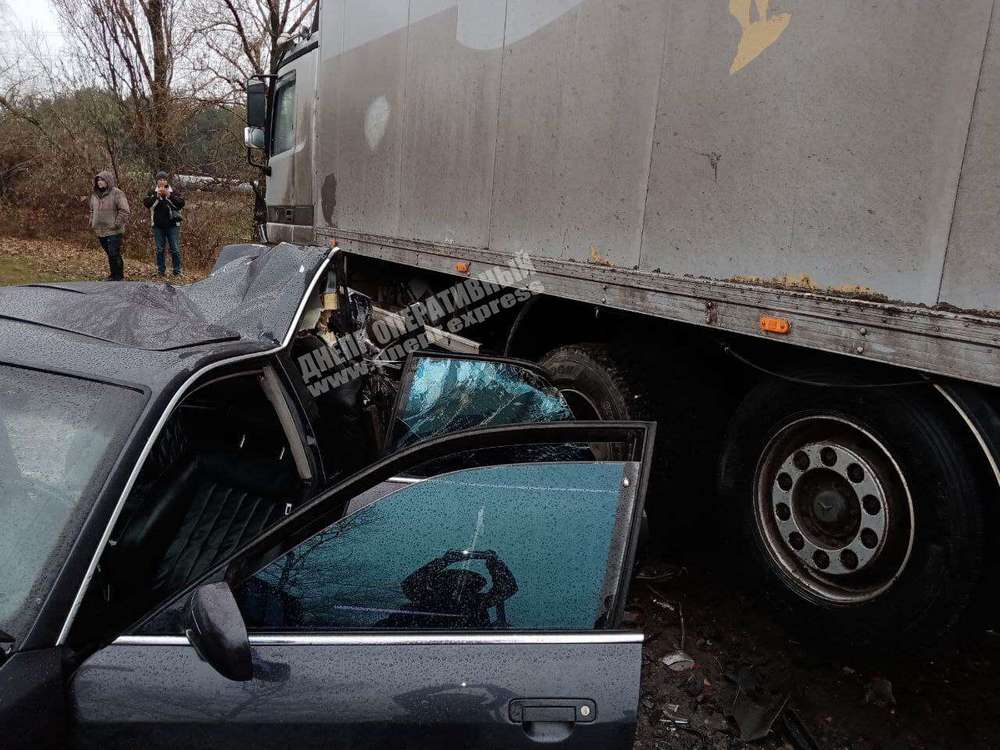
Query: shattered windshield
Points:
[446, 395]
[58, 438]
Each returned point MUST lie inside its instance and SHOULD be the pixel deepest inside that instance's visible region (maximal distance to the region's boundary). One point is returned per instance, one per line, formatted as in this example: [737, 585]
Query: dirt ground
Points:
[742, 657]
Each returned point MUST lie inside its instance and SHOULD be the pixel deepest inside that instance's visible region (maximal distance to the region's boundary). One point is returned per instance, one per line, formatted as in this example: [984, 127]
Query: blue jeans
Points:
[162, 237]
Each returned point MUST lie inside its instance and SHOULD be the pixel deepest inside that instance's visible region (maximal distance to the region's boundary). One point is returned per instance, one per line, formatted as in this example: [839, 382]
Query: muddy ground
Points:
[742, 656]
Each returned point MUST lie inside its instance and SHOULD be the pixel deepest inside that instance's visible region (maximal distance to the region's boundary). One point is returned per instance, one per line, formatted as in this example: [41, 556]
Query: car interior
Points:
[230, 462]
[224, 468]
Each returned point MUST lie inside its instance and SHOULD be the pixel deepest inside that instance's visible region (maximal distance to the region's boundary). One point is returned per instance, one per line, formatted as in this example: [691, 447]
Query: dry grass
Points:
[23, 261]
[60, 237]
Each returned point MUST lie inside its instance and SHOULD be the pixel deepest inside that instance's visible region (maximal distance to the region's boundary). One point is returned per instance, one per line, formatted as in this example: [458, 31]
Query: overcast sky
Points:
[36, 20]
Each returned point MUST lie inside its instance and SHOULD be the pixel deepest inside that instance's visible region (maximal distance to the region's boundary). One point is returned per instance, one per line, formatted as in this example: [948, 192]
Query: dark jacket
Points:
[160, 210]
[109, 209]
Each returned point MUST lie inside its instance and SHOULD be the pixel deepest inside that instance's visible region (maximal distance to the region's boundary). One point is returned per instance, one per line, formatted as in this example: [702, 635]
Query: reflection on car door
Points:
[476, 607]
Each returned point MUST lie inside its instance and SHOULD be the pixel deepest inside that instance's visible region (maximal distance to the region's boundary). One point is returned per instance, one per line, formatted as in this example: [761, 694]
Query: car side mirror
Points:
[253, 138]
[215, 628]
[257, 104]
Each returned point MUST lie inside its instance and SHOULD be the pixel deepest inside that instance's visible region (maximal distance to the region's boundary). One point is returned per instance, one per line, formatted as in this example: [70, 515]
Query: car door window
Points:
[283, 124]
[521, 547]
[222, 470]
[356, 607]
[444, 394]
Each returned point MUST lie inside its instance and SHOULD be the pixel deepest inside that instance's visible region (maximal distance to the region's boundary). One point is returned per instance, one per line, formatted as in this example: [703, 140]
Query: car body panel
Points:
[409, 689]
[349, 695]
[33, 711]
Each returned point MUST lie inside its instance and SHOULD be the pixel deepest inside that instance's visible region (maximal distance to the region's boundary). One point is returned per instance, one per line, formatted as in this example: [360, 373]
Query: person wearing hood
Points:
[165, 204]
[109, 214]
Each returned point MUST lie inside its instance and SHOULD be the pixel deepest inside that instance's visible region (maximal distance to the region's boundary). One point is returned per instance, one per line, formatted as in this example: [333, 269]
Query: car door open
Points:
[478, 607]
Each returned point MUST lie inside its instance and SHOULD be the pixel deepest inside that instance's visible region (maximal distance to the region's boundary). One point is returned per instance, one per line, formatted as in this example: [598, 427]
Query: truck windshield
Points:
[59, 436]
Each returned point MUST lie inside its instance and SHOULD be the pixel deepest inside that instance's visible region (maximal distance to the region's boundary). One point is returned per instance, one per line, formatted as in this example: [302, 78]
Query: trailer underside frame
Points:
[953, 344]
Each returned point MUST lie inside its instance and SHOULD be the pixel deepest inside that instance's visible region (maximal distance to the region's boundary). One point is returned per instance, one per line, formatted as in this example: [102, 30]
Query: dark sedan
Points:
[197, 550]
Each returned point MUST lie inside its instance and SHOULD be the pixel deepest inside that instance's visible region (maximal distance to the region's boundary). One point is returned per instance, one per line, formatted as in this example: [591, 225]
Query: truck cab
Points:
[283, 122]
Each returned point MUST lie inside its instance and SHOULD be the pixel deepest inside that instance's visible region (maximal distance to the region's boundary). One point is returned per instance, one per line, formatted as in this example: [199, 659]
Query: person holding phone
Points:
[165, 204]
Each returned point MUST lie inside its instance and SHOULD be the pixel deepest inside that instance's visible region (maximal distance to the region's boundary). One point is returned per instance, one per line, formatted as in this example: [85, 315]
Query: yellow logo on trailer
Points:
[757, 35]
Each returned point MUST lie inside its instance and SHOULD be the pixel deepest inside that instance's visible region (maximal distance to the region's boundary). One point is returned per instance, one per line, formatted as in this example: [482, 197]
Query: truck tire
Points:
[594, 384]
[860, 511]
[602, 381]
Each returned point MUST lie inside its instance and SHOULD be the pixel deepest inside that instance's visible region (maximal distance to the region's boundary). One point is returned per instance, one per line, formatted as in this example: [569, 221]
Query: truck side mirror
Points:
[215, 628]
[257, 104]
[253, 138]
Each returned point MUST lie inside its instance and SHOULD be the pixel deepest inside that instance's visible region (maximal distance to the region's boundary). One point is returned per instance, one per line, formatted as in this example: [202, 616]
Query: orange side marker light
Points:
[771, 324]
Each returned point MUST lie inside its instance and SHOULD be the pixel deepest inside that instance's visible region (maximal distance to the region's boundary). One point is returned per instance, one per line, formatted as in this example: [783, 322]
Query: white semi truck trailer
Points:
[772, 226]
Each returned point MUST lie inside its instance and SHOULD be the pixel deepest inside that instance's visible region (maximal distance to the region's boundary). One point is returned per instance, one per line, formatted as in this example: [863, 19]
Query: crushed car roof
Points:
[252, 296]
[122, 329]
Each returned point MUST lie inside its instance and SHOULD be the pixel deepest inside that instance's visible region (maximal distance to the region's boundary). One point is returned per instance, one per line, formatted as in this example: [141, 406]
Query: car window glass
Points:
[441, 395]
[522, 546]
[58, 439]
[284, 118]
[534, 453]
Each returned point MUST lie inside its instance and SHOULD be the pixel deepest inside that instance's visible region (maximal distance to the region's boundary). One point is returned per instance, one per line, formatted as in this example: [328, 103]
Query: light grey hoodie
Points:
[109, 209]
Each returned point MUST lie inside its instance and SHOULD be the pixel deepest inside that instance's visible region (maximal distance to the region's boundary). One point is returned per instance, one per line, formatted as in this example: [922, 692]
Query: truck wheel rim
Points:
[833, 509]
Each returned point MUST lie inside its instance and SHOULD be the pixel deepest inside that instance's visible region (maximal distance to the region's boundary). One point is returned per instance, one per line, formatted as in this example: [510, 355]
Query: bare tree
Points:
[131, 47]
[243, 38]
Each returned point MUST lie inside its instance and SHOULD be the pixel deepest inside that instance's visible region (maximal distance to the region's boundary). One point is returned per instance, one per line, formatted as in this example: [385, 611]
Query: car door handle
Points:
[552, 710]
[551, 719]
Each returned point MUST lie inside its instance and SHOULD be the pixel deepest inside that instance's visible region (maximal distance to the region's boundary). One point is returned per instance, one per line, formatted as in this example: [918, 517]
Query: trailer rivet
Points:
[604, 300]
[859, 349]
[584, 710]
[863, 331]
[625, 482]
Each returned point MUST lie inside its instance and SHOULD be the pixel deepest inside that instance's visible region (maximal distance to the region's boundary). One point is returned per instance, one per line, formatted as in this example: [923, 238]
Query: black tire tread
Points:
[691, 407]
